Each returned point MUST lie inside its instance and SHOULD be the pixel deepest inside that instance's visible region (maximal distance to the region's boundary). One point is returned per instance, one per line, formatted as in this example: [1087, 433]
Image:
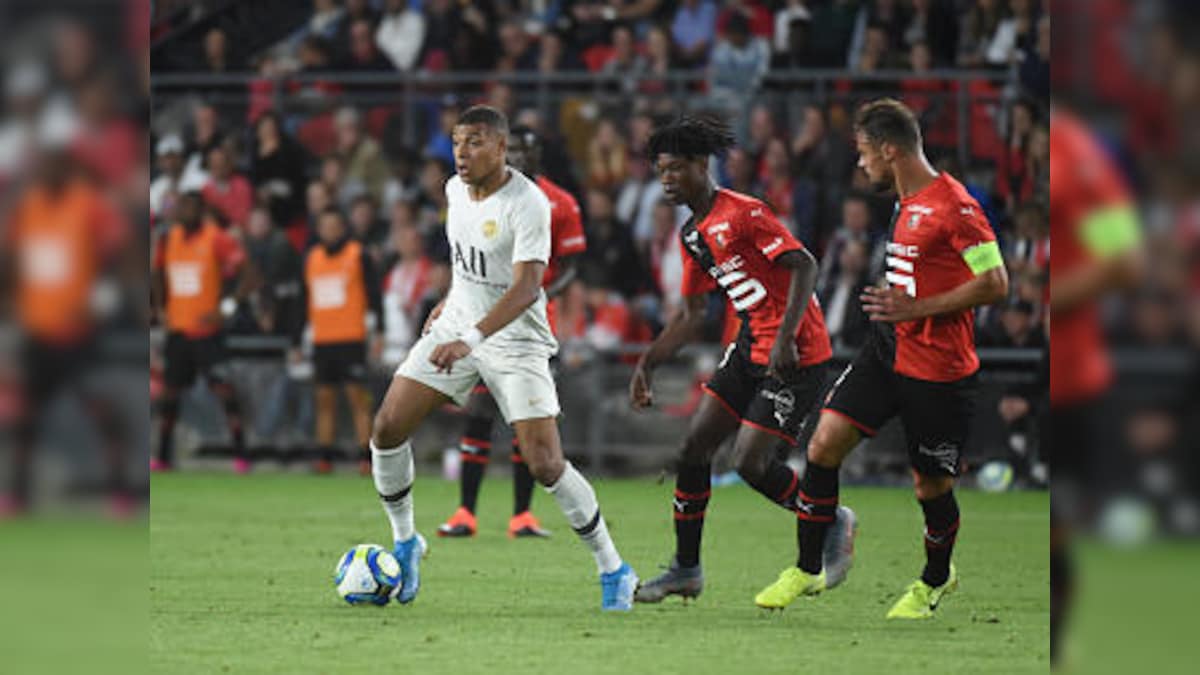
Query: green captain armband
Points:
[1108, 231]
[983, 257]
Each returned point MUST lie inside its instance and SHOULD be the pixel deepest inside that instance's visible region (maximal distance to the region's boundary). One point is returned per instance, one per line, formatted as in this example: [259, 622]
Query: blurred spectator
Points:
[1028, 250]
[611, 323]
[317, 197]
[515, 50]
[762, 130]
[876, 52]
[856, 226]
[607, 157]
[822, 161]
[402, 185]
[1154, 321]
[206, 134]
[1035, 63]
[401, 33]
[216, 52]
[367, 228]
[1018, 327]
[934, 23]
[833, 25]
[666, 259]
[412, 285]
[739, 168]
[439, 145]
[640, 186]
[358, 10]
[277, 170]
[786, 18]
[844, 318]
[611, 255]
[165, 189]
[758, 18]
[626, 66]
[979, 25]
[737, 65]
[364, 162]
[1039, 162]
[554, 57]
[1013, 179]
[1015, 32]
[227, 192]
[796, 48]
[660, 59]
[325, 22]
[431, 208]
[361, 51]
[500, 96]
[277, 305]
[783, 194]
[693, 29]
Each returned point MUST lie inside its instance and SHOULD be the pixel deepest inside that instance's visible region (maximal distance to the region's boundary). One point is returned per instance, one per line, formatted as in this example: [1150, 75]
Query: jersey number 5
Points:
[743, 291]
[900, 273]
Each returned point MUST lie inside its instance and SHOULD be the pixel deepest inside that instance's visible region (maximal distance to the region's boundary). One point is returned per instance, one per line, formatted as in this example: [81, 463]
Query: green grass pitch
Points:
[241, 571]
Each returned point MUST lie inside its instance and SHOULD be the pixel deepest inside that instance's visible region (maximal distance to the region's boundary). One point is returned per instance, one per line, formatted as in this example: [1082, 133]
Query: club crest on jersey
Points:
[915, 213]
[719, 234]
[490, 228]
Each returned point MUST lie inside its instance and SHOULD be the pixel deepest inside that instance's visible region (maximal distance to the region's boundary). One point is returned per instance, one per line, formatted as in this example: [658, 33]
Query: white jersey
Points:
[486, 239]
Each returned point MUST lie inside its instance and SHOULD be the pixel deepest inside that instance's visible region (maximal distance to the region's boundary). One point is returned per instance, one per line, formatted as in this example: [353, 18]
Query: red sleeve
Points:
[568, 228]
[769, 235]
[968, 226]
[695, 280]
[230, 253]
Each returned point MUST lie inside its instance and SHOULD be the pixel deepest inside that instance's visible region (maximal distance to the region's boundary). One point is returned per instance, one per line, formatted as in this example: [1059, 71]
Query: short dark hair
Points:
[887, 120]
[487, 116]
[527, 135]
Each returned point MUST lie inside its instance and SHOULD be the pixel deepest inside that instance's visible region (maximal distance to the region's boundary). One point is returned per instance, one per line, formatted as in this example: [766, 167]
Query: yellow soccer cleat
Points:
[919, 601]
[792, 583]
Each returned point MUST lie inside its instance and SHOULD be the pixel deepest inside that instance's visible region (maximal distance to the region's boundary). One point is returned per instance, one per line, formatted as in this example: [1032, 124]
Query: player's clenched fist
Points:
[639, 390]
[445, 354]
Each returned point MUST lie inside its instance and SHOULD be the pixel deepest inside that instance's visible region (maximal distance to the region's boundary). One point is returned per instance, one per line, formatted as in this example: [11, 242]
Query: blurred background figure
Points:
[345, 316]
[195, 262]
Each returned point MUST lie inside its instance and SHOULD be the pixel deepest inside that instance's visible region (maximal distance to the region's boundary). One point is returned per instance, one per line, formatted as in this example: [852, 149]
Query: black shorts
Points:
[936, 415]
[188, 358]
[48, 368]
[340, 363]
[779, 407]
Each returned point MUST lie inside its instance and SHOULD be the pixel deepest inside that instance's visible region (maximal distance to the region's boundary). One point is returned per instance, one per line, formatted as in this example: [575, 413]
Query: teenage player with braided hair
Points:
[769, 378]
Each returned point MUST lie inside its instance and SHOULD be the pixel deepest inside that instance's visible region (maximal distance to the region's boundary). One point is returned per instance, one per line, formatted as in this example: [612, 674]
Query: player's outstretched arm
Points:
[784, 355]
[892, 303]
[526, 288]
[683, 327]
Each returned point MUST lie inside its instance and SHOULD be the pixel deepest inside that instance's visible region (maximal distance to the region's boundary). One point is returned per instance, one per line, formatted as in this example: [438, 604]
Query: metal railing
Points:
[410, 90]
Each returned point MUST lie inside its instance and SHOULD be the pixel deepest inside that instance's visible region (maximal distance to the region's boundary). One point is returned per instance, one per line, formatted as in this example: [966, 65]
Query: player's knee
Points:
[929, 487]
[544, 464]
[751, 466]
[831, 442]
[387, 429]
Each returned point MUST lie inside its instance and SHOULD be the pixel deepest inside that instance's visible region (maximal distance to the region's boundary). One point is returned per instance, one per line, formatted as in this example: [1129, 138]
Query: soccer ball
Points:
[995, 476]
[367, 575]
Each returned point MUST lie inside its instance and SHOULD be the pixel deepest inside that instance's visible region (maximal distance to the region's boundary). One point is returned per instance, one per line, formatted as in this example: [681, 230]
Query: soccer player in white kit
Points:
[491, 325]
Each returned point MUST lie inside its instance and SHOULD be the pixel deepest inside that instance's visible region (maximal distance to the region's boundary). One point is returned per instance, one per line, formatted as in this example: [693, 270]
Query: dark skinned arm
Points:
[784, 355]
[568, 270]
[683, 327]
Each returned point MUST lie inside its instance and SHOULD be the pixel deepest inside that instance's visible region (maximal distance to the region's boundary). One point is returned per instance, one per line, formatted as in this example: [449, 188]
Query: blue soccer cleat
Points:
[617, 588]
[408, 554]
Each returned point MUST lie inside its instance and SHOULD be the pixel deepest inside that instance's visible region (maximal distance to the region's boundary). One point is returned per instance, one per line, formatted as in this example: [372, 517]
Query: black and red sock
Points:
[522, 481]
[693, 487]
[941, 529]
[475, 449]
[815, 511]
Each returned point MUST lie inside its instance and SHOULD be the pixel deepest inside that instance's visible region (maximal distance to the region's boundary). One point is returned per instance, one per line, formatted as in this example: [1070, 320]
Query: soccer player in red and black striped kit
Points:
[919, 362]
[567, 243]
[769, 378]
[1097, 249]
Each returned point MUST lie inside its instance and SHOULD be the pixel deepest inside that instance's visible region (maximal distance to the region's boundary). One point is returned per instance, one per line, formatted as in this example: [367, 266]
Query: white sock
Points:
[578, 503]
[393, 472]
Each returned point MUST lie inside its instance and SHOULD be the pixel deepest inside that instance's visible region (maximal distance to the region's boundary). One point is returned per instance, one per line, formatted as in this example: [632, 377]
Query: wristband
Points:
[472, 337]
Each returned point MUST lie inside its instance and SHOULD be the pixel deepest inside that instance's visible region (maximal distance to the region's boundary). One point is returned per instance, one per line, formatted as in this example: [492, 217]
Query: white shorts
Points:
[520, 382]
